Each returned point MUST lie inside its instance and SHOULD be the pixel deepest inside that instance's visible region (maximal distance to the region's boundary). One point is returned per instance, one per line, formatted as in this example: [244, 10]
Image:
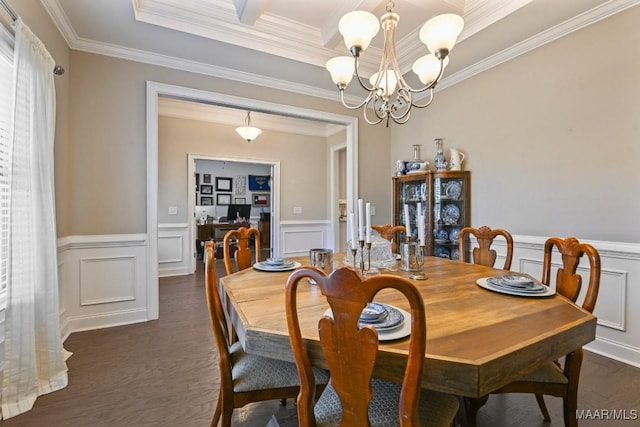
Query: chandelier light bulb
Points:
[387, 83]
[428, 67]
[358, 28]
[341, 69]
[441, 32]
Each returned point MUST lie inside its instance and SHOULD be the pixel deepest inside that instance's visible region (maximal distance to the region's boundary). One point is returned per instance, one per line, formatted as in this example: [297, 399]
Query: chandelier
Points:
[389, 95]
[248, 132]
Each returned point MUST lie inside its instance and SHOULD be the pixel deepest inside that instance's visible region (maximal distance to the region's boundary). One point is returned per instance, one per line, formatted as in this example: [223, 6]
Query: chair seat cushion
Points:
[435, 409]
[251, 372]
[548, 372]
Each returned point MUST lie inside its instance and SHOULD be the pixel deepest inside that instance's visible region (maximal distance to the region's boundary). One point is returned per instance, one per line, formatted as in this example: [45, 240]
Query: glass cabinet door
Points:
[412, 190]
[451, 211]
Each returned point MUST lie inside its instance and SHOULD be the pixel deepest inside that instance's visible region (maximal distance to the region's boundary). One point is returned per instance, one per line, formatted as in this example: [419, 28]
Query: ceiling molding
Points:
[594, 15]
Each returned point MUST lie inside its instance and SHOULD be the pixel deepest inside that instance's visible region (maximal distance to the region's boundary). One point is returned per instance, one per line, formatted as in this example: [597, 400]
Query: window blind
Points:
[6, 101]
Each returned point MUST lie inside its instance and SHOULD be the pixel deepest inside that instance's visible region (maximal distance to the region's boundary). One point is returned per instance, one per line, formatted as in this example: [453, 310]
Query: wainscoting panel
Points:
[107, 279]
[298, 237]
[102, 281]
[174, 249]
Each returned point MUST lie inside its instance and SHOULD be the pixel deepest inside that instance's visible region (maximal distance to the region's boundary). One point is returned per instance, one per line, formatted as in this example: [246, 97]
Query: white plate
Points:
[262, 266]
[402, 331]
[483, 284]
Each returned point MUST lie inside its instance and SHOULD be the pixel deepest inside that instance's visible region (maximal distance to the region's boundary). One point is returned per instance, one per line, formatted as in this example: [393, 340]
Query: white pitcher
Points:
[456, 157]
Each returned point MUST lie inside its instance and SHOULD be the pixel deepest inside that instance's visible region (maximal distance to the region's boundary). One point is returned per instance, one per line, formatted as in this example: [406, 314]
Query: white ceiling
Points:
[284, 44]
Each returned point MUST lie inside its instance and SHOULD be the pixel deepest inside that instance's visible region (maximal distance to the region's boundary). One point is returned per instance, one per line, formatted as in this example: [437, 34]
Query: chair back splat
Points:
[241, 238]
[351, 349]
[483, 254]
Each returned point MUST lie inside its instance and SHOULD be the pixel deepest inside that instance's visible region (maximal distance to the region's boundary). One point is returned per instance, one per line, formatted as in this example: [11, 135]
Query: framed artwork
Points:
[206, 189]
[206, 201]
[223, 184]
[223, 199]
[259, 183]
[241, 185]
[197, 182]
[240, 200]
[206, 178]
[262, 200]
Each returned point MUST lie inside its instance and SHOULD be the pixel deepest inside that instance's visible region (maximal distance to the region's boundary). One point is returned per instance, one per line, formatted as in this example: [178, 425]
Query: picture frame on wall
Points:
[223, 184]
[206, 178]
[197, 182]
[206, 201]
[223, 199]
[206, 189]
[240, 201]
[261, 200]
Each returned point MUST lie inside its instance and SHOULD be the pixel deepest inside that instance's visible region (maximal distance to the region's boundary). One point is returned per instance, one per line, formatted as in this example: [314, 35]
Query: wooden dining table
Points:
[477, 340]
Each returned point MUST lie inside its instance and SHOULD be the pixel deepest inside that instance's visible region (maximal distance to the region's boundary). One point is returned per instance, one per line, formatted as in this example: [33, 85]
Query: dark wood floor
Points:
[163, 373]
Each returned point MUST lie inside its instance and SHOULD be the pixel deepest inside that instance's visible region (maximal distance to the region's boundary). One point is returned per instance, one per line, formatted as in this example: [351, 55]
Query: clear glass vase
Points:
[439, 160]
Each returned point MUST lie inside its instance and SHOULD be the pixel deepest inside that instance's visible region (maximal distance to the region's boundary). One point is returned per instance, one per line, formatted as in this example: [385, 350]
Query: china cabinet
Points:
[445, 200]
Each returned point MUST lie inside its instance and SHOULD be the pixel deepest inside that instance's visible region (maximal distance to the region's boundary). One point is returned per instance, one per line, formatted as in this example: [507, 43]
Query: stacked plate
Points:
[276, 264]
[383, 317]
[515, 284]
[391, 323]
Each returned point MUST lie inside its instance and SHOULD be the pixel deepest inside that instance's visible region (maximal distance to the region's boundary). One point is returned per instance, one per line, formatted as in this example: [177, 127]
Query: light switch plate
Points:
[173, 210]
[297, 209]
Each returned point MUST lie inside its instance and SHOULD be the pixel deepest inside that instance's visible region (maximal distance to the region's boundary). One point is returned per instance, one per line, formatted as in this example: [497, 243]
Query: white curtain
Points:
[33, 360]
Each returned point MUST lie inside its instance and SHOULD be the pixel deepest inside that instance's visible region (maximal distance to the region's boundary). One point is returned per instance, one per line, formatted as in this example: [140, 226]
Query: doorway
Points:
[155, 90]
[230, 167]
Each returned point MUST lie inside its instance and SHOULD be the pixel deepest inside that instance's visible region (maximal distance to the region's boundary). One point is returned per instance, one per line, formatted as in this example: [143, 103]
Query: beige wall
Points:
[303, 164]
[552, 137]
[108, 107]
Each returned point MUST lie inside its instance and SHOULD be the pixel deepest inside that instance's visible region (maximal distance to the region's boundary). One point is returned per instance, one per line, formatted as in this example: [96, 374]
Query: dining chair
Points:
[353, 397]
[244, 377]
[554, 378]
[389, 232]
[236, 246]
[483, 254]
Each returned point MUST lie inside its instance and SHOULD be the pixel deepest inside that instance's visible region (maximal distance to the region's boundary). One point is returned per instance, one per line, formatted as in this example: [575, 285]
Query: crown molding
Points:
[585, 19]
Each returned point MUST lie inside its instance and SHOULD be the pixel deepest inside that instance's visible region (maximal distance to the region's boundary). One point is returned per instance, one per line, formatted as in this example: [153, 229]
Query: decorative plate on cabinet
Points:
[450, 214]
[453, 189]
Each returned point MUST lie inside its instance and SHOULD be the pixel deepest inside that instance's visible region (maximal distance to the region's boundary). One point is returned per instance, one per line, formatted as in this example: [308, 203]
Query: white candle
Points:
[352, 229]
[360, 219]
[420, 220]
[407, 221]
[368, 222]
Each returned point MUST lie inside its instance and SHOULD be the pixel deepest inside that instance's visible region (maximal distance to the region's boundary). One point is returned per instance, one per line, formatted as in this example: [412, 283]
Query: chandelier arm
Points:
[366, 117]
[362, 83]
[406, 100]
[402, 121]
[428, 102]
[353, 107]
